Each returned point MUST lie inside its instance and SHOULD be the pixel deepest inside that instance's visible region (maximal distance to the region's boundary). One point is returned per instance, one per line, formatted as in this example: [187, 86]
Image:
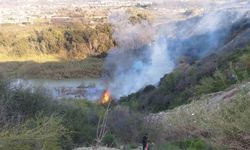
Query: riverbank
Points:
[51, 68]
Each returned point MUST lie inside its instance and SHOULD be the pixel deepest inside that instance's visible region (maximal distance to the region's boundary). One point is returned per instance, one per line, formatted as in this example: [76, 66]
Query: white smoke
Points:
[132, 75]
[144, 54]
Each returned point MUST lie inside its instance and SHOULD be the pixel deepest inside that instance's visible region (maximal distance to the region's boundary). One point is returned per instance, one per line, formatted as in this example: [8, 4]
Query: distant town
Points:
[25, 12]
[35, 11]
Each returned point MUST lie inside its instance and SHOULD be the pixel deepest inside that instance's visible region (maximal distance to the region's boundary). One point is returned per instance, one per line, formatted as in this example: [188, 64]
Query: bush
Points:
[190, 144]
[2, 40]
[109, 140]
[19, 104]
[36, 133]
[81, 118]
[126, 124]
[20, 47]
[213, 84]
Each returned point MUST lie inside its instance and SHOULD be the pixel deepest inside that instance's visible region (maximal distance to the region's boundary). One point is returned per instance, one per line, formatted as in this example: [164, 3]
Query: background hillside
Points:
[228, 64]
[54, 51]
[72, 40]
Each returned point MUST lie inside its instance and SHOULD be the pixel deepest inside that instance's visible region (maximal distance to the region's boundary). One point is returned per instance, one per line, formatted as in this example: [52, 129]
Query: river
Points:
[65, 89]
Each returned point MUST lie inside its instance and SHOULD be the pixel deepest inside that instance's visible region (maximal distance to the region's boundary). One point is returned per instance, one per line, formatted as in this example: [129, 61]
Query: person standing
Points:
[145, 142]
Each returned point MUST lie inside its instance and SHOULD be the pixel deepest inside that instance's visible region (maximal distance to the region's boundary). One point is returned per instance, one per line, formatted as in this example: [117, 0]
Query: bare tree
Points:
[102, 127]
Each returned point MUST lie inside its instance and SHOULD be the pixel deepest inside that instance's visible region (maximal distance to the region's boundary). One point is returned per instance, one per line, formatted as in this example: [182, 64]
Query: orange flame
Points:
[106, 97]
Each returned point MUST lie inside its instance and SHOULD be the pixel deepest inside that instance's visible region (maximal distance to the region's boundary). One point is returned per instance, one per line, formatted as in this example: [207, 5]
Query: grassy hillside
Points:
[211, 74]
[202, 104]
[54, 51]
[74, 40]
[224, 65]
[220, 119]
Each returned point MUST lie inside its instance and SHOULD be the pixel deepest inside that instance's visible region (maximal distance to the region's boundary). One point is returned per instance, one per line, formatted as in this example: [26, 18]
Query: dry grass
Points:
[35, 58]
[51, 67]
[221, 118]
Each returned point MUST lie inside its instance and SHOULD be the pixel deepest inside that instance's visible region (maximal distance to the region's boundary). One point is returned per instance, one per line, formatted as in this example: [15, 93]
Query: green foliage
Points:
[33, 115]
[168, 84]
[133, 146]
[21, 104]
[109, 140]
[193, 144]
[213, 84]
[36, 133]
[81, 117]
[189, 144]
[211, 74]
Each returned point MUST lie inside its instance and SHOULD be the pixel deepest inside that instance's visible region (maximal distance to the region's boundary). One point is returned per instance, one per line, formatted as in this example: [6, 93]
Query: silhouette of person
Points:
[145, 142]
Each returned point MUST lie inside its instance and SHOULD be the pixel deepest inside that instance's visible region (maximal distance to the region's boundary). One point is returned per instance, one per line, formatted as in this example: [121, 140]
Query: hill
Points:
[218, 118]
[50, 51]
[227, 64]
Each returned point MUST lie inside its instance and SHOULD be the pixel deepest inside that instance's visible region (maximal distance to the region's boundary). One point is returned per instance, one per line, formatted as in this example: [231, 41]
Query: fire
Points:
[106, 97]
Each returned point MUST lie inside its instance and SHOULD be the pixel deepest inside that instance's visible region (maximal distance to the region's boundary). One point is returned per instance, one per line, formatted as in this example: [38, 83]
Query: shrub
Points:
[36, 133]
[109, 140]
[2, 40]
[20, 47]
[125, 124]
[189, 144]
[212, 84]
[18, 104]
[81, 118]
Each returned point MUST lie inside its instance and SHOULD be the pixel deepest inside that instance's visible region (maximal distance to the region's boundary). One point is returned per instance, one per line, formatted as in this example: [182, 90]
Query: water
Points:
[70, 88]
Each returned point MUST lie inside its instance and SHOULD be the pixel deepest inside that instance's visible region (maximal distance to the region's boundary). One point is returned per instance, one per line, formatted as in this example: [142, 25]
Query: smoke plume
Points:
[145, 53]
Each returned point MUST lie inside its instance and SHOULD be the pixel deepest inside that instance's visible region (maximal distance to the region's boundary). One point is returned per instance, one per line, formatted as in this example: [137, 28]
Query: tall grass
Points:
[86, 68]
[232, 124]
[36, 133]
[220, 118]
